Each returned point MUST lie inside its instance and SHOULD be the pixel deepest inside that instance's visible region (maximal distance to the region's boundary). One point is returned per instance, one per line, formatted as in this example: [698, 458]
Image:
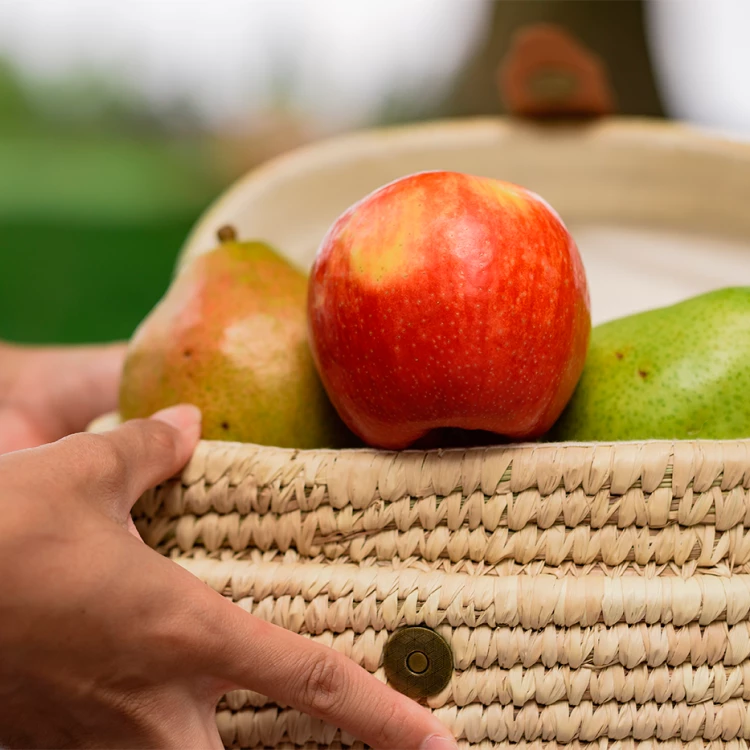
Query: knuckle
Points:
[105, 457]
[324, 683]
[391, 720]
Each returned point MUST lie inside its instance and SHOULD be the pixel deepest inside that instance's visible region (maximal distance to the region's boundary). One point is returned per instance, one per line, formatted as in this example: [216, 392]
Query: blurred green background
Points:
[92, 212]
[118, 127]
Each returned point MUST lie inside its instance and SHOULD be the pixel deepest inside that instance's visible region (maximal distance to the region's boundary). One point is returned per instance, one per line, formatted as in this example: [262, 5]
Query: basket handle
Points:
[547, 72]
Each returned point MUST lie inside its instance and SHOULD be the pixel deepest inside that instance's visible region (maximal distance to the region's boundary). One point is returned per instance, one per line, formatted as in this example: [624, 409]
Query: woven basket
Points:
[585, 591]
[591, 595]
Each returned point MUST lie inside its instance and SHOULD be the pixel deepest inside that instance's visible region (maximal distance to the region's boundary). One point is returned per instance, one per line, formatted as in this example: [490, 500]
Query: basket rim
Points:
[611, 131]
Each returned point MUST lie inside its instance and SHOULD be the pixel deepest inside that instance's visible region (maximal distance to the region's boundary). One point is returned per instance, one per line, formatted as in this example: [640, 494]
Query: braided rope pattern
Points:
[602, 744]
[599, 647]
[581, 545]
[246, 478]
[656, 502]
[520, 685]
[336, 598]
[593, 596]
[475, 723]
[511, 568]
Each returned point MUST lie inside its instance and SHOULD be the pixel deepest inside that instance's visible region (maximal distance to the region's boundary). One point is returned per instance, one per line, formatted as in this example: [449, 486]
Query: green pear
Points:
[680, 372]
[230, 336]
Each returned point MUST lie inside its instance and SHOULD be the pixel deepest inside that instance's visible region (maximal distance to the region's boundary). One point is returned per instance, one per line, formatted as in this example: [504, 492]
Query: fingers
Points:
[209, 641]
[88, 381]
[59, 390]
[321, 682]
[17, 431]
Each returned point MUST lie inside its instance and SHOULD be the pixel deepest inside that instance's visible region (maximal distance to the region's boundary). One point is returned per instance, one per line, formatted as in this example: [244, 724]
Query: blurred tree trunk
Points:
[613, 30]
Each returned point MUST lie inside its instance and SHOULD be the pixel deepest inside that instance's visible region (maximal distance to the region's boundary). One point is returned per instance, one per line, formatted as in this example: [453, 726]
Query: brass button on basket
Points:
[418, 661]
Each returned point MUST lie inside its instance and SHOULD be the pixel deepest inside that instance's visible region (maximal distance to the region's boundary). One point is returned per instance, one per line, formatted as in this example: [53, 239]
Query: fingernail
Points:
[183, 417]
[438, 742]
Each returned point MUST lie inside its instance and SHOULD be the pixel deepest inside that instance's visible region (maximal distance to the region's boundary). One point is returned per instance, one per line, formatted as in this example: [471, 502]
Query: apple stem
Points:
[227, 233]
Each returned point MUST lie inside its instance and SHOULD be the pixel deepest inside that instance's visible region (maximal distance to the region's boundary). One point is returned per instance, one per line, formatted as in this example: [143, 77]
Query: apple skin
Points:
[448, 300]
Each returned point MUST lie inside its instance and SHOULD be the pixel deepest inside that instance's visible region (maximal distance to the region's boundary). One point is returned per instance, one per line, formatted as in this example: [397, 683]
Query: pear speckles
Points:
[230, 336]
[680, 372]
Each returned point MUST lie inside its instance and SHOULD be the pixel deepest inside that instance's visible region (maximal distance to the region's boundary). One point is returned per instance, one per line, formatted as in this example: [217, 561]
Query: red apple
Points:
[447, 300]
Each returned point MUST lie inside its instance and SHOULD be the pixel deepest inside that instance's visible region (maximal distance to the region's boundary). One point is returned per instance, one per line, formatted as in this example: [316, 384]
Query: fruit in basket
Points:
[445, 300]
[680, 372]
[230, 336]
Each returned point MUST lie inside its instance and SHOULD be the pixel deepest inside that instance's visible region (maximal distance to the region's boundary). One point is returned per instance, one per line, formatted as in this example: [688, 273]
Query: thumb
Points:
[118, 466]
[141, 453]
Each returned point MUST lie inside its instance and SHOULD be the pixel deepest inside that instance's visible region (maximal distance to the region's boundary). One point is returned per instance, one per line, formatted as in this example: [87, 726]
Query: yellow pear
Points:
[230, 336]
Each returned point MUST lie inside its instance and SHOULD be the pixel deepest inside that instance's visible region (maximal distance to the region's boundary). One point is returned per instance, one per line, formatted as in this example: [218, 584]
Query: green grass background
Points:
[65, 281]
[90, 229]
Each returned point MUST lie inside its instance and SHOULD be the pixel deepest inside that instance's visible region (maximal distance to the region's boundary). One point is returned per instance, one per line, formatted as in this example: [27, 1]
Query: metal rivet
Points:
[418, 661]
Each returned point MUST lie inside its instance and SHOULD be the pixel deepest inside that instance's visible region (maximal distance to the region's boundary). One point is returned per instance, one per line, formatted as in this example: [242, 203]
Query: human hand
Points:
[49, 392]
[115, 645]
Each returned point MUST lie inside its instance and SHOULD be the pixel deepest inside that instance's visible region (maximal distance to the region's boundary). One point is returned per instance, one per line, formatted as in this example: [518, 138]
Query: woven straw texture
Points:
[593, 596]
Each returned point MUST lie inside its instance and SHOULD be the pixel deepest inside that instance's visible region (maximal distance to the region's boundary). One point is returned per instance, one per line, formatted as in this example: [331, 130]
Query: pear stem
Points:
[227, 233]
